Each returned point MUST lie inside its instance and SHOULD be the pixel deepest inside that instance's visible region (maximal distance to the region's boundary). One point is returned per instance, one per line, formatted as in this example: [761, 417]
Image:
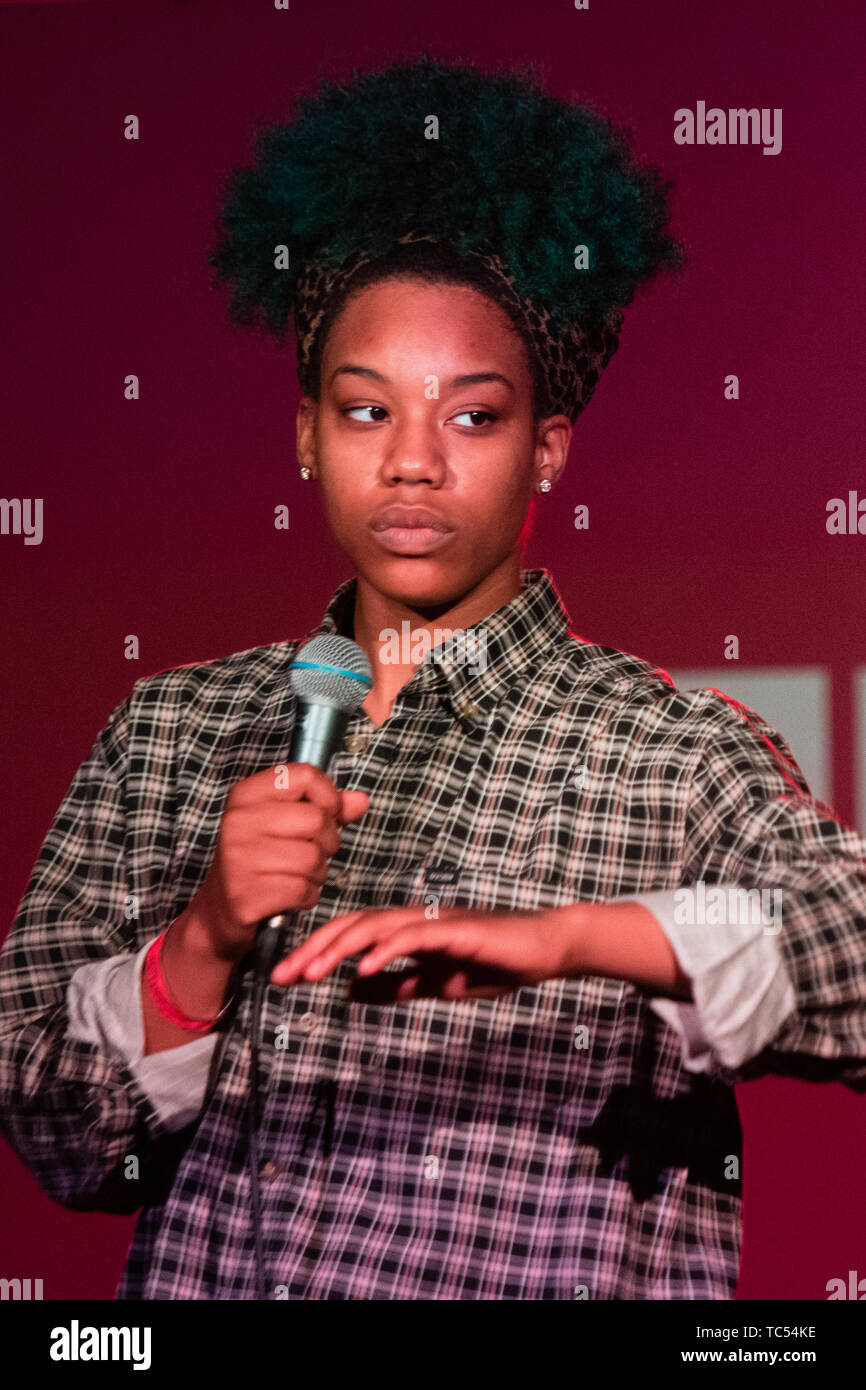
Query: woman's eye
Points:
[352, 408]
[485, 414]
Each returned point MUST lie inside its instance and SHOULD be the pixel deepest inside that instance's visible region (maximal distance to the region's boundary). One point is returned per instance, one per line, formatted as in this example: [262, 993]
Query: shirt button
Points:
[271, 1171]
[308, 1022]
[355, 743]
[339, 879]
[470, 711]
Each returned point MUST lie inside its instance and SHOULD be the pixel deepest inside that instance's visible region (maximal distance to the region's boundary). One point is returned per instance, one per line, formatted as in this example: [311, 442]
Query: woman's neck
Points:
[378, 627]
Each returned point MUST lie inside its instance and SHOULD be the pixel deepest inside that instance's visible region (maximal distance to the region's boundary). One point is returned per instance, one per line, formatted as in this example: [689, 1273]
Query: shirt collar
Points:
[504, 649]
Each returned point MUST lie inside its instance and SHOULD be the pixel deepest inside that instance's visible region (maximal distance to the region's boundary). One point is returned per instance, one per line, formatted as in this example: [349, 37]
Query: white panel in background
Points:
[860, 748]
[795, 700]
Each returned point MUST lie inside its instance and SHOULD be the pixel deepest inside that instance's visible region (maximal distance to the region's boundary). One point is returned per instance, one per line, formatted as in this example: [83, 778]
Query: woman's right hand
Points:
[272, 852]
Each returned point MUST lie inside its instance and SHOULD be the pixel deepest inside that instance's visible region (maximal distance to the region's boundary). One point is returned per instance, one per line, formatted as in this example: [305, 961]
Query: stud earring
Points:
[306, 474]
[545, 485]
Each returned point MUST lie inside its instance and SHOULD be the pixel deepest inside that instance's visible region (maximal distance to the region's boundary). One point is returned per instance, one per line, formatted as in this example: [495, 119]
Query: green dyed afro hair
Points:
[513, 167]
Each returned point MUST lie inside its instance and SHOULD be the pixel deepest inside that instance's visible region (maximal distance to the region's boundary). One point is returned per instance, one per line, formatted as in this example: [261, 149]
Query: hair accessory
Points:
[572, 358]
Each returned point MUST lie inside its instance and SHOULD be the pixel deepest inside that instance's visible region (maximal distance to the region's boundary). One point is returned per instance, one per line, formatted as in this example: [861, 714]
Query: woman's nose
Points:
[415, 456]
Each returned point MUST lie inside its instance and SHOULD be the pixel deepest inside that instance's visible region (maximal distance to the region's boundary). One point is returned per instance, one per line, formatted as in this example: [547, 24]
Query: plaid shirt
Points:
[487, 1149]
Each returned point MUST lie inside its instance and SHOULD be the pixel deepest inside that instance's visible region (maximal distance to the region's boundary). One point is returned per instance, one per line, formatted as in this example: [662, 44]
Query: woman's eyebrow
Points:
[468, 379]
[349, 369]
[478, 378]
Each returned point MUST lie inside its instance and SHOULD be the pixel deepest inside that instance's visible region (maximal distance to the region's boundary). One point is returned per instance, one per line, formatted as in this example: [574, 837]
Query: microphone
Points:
[331, 677]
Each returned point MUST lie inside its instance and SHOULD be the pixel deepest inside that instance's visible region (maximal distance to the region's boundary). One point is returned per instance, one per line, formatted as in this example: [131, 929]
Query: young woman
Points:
[498, 1060]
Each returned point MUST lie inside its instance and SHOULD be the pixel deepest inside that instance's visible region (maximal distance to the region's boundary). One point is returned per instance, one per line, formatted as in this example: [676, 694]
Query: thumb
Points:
[354, 805]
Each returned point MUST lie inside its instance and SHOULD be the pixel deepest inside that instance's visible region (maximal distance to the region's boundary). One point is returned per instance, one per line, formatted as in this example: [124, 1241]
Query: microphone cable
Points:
[265, 956]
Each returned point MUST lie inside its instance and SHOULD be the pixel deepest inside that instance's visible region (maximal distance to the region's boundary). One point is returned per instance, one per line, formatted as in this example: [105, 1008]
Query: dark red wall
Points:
[707, 516]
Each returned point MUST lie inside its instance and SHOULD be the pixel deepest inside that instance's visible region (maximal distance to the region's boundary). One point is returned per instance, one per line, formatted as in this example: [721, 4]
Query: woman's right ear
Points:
[305, 432]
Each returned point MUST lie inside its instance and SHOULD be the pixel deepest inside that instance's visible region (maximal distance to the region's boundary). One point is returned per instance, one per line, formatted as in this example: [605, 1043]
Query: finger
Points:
[291, 966]
[371, 932]
[289, 781]
[323, 951]
[311, 784]
[355, 804]
[298, 820]
[290, 969]
[310, 862]
[423, 937]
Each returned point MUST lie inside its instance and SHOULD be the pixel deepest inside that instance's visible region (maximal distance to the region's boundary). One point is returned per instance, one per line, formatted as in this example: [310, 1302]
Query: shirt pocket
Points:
[538, 866]
[492, 886]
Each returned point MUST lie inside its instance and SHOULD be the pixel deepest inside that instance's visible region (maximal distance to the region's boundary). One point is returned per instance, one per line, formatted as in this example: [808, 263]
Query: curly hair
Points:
[513, 167]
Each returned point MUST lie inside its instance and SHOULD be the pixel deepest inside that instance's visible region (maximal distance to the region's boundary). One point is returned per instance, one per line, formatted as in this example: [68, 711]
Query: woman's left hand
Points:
[461, 954]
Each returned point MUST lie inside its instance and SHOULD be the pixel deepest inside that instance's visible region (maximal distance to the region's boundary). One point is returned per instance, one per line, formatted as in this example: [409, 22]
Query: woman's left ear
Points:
[554, 437]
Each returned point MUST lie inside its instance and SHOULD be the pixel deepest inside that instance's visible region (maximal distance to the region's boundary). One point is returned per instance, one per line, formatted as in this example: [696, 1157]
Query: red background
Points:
[707, 516]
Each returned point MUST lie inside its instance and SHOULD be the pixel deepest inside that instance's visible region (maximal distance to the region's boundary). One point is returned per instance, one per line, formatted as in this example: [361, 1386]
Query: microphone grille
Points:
[331, 670]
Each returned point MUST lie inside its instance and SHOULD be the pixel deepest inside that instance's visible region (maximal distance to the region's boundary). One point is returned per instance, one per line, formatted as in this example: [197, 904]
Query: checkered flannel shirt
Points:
[568, 1140]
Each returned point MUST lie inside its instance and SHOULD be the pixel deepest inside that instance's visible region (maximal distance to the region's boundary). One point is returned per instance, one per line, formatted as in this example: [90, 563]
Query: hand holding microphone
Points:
[272, 853]
[274, 840]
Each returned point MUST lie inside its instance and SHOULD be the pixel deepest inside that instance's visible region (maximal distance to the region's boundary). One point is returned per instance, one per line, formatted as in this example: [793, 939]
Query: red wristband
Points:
[160, 996]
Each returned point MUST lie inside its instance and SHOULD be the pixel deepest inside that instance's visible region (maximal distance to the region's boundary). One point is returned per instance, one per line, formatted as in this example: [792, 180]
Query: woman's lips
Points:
[416, 540]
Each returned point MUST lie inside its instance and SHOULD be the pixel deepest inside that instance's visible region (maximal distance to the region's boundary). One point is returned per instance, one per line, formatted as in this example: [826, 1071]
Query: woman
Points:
[497, 1061]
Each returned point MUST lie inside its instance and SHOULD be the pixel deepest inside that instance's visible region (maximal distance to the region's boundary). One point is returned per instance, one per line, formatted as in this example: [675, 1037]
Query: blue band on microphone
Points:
[335, 670]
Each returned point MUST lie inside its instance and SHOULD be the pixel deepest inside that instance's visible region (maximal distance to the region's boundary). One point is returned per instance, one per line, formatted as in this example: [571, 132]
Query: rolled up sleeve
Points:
[788, 995]
[104, 1006]
[741, 991]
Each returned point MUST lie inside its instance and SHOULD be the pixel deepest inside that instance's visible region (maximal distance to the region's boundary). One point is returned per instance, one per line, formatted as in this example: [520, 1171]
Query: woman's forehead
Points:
[434, 321]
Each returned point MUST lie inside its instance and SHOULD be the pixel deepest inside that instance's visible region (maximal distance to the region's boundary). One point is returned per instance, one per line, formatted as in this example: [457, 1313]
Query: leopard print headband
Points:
[572, 359]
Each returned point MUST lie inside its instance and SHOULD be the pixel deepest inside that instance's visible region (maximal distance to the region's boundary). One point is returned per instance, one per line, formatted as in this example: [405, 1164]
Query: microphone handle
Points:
[269, 937]
[316, 737]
